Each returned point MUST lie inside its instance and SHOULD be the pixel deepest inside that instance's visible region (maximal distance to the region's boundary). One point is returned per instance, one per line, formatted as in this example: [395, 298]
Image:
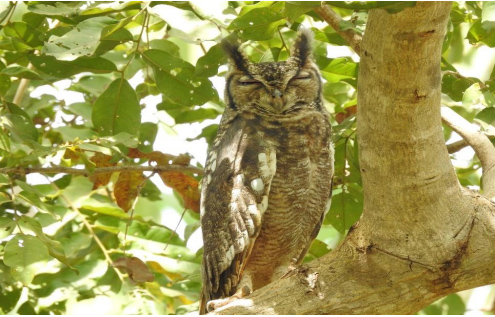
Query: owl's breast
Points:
[299, 191]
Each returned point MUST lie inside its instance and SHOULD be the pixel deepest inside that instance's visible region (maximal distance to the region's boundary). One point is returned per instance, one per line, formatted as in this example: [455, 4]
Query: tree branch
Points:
[481, 145]
[367, 280]
[100, 170]
[333, 19]
[459, 145]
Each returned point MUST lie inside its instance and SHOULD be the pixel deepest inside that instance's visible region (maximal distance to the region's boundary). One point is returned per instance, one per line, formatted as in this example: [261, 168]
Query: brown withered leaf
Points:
[160, 158]
[186, 186]
[135, 153]
[348, 112]
[136, 269]
[182, 159]
[127, 188]
[101, 160]
[72, 153]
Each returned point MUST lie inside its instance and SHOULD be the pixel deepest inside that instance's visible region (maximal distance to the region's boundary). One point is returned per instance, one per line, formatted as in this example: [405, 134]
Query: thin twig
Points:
[333, 19]
[21, 89]
[99, 170]
[480, 143]
[11, 13]
[138, 40]
[175, 230]
[202, 47]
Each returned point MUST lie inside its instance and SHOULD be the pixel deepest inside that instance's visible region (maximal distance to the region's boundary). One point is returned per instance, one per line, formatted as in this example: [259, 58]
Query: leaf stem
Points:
[146, 18]
[175, 230]
[11, 12]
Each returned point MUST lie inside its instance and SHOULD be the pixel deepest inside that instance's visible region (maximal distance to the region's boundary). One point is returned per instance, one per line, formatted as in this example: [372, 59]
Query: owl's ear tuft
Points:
[236, 56]
[301, 50]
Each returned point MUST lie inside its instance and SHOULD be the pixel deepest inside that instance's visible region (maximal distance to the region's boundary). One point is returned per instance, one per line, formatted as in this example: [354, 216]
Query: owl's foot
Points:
[217, 303]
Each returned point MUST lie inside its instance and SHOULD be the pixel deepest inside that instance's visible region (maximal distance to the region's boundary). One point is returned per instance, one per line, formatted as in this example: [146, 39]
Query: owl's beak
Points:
[278, 102]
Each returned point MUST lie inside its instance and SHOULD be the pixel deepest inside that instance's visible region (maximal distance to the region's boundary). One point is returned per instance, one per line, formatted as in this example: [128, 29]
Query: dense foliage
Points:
[84, 223]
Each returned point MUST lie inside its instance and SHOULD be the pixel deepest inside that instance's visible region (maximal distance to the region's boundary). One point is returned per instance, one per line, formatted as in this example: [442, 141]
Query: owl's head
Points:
[274, 87]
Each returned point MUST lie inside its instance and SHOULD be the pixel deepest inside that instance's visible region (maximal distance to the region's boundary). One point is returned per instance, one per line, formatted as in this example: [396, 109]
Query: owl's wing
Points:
[235, 191]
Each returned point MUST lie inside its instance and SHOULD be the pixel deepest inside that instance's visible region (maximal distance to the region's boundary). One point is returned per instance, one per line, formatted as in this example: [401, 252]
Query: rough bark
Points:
[421, 235]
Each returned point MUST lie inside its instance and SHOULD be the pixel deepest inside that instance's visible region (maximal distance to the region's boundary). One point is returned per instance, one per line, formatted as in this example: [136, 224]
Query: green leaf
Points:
[70, 134]
[197, 115]
[22, 130]
[147, 136]
[93, 85]
[455, 87]
[455, 304]
[104, 209]
[486, 116]
[259, 24]
[83, 40]
[318, 249]
[165, 45]
[110, 40]
[75, 242]
[63, 69]
[117, 110]
[34, 199]
[482, 32]
[345, 210]
[471, 95]
[209, 133]
[488, 13]
[20, 72]
[329, 35]
[24, 37]
[14, 109]
[8, 298]
[57, 9]
[337, 69]
[25, 255]
[489, 98]
[294, 9]
[208, 64]
[35, 21]
[7, 225]
[124, 138]
[54, 247]
[175, 79]
[5, 82]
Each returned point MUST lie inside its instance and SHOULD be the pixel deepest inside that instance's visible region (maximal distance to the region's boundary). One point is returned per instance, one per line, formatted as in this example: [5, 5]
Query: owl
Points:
[268, 175]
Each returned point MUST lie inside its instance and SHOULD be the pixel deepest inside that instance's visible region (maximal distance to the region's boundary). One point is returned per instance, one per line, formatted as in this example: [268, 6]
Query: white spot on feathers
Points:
[257, 185]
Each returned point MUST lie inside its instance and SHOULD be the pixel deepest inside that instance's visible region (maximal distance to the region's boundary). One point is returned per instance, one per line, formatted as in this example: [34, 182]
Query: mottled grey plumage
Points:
[268, 175]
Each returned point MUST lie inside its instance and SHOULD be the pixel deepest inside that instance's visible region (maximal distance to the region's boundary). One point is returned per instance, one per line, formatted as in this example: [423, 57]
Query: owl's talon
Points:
[245, 291]
[217, 303]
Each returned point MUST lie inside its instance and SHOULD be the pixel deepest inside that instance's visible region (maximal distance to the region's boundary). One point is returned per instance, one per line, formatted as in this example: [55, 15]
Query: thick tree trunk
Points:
[421, 235]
